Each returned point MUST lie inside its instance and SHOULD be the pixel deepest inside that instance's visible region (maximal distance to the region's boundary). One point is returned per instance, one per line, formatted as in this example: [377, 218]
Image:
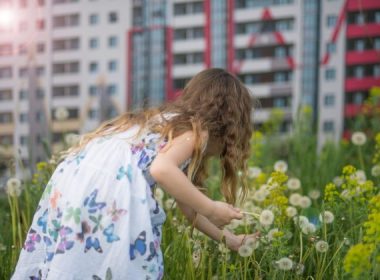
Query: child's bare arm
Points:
[165, 170]
[204, 225]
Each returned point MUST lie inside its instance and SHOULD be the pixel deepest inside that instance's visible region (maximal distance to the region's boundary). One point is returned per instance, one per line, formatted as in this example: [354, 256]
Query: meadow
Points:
[316, 214]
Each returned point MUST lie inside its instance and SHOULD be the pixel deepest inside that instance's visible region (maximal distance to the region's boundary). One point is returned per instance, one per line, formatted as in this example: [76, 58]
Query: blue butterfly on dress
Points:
[124, 172]
[143, 160]
[64, 244]
[108, 232]
[49, 255]
[139, 245]
[39, 277]
[92, 204]
[32, 239]
[93, 244]
[42, 221]
[79, 157]
[152, 250]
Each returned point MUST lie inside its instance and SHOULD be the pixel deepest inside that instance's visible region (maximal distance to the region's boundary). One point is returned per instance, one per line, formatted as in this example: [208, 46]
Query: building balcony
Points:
[354, 84]
[264, 64]
[363, 57]
[270, 89]
[190, 45]
[187, 70]
[265, 39]
[355, 5]
[6, 128]
[67, 125]
[364, 30]
[261, 115]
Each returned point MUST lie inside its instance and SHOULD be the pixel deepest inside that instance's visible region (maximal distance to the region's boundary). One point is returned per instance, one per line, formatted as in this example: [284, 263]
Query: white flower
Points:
[266, 218]
[291, 211]
[375, 171]
[2, 247]
[265, 189]
[252, 243]
[314, 194]
[294, 199]
[223, 248]
[271, 233]
[170, 203]
[245, 251]
[299, 268]
[196, 257]
[71, 139]
[321, 246]
[294, 184]
[360, 176]
[234, 224]
[13, 187]
[281, 166]
[159, 194]
[338, 181]
[259, 196]
[326, 217]
[308, 228]
[358, 138]
[305, 202]
[285, 264]
[254, 172]
[346, 194]
[61, 113]
[301, 221]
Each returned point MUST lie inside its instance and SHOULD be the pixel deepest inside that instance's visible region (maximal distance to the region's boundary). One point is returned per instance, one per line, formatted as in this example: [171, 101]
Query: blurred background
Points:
[68, 65]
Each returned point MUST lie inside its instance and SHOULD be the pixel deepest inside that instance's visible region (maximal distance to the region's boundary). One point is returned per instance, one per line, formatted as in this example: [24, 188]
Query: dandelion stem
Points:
[250, 213]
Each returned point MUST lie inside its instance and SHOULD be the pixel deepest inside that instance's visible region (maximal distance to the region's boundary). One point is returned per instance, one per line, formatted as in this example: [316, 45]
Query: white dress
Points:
[97, 218]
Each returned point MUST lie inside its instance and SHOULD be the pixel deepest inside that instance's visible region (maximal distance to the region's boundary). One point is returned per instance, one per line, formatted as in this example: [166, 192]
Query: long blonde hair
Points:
[213, 100]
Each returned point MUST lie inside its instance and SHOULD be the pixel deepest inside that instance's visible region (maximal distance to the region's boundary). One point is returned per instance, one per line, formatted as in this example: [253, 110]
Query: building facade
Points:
[350, 63]
[59, 54]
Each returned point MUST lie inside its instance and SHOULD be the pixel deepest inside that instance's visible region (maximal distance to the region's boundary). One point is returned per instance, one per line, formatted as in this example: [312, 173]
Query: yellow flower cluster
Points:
[330, 192]
[376, 155]
[359, 257]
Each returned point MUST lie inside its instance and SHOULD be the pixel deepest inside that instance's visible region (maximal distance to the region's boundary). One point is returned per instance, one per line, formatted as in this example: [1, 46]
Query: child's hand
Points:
[234, 242]
[222, 213]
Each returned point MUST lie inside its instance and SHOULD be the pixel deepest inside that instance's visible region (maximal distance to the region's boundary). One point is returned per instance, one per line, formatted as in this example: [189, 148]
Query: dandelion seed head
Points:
[305, 202]
[245, 251]
[291, 211]
[294, 184]
[266, 217]
[358, 138]
[281, 166]
[321, 246]
[285, 264]
[326, 217]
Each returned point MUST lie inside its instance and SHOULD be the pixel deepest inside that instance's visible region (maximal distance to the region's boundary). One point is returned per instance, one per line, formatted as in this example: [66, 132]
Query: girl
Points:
[98, 217]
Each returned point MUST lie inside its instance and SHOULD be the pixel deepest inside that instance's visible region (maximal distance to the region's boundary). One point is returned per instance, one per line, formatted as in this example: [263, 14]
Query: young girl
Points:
[98, 216]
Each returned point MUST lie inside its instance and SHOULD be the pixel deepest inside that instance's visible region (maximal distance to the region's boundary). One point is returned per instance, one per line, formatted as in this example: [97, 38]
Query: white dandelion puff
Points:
[271, 233]
[259, 196]
[358, 138]
[252, 243]
[285, 263]
[305, 202]
[61, 113]
[314, 194]
[294, 199]
[321, 246]
[245, 251]
[326, 217]
[291, 211]
[281, 166]
[308, 228]
[294, 184]
[375, 170]
[13, 187]
[71, 139]
[170, 203]
[254, 172]
[266, 217]
[301, 221]
[338, 181]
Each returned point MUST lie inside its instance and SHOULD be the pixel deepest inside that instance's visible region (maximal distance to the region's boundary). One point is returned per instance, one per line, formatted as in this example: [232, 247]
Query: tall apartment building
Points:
[59, 53]
[350, 62]
[263, 42]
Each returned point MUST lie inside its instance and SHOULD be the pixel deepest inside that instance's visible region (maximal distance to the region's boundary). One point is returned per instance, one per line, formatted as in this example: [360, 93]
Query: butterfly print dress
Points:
[97, 217]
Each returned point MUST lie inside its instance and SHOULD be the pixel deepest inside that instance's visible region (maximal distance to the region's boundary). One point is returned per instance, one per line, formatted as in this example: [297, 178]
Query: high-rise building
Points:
[56, 54]
[264, 42]
[350, 63]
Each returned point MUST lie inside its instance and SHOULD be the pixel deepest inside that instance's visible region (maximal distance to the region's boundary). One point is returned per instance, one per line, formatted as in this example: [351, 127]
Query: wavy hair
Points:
[215, 101]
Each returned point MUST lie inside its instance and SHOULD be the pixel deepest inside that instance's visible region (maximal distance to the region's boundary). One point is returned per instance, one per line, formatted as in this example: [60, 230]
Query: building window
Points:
[358, 98]
[93, 19]
[359, 72]
[112, 17]
[40, 93]
[5, 72]
[188, 8]
[377, 17]
[330, 74]
[93, 114]
[93, 67]
[6, 117]
[328, 126]
[359, 18]
[376, 71]
[5, 94]
[331, 20]
[40, 24]
[93, 43]
[280, 52]
[23, 117]
[93, 90]
[376, 44]
[112, 65]
[359, 45]
[331, 47]
[111, 90]
[329, 100]
[112, 41]
[39, 116]
[22, 94]
[23, 140]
